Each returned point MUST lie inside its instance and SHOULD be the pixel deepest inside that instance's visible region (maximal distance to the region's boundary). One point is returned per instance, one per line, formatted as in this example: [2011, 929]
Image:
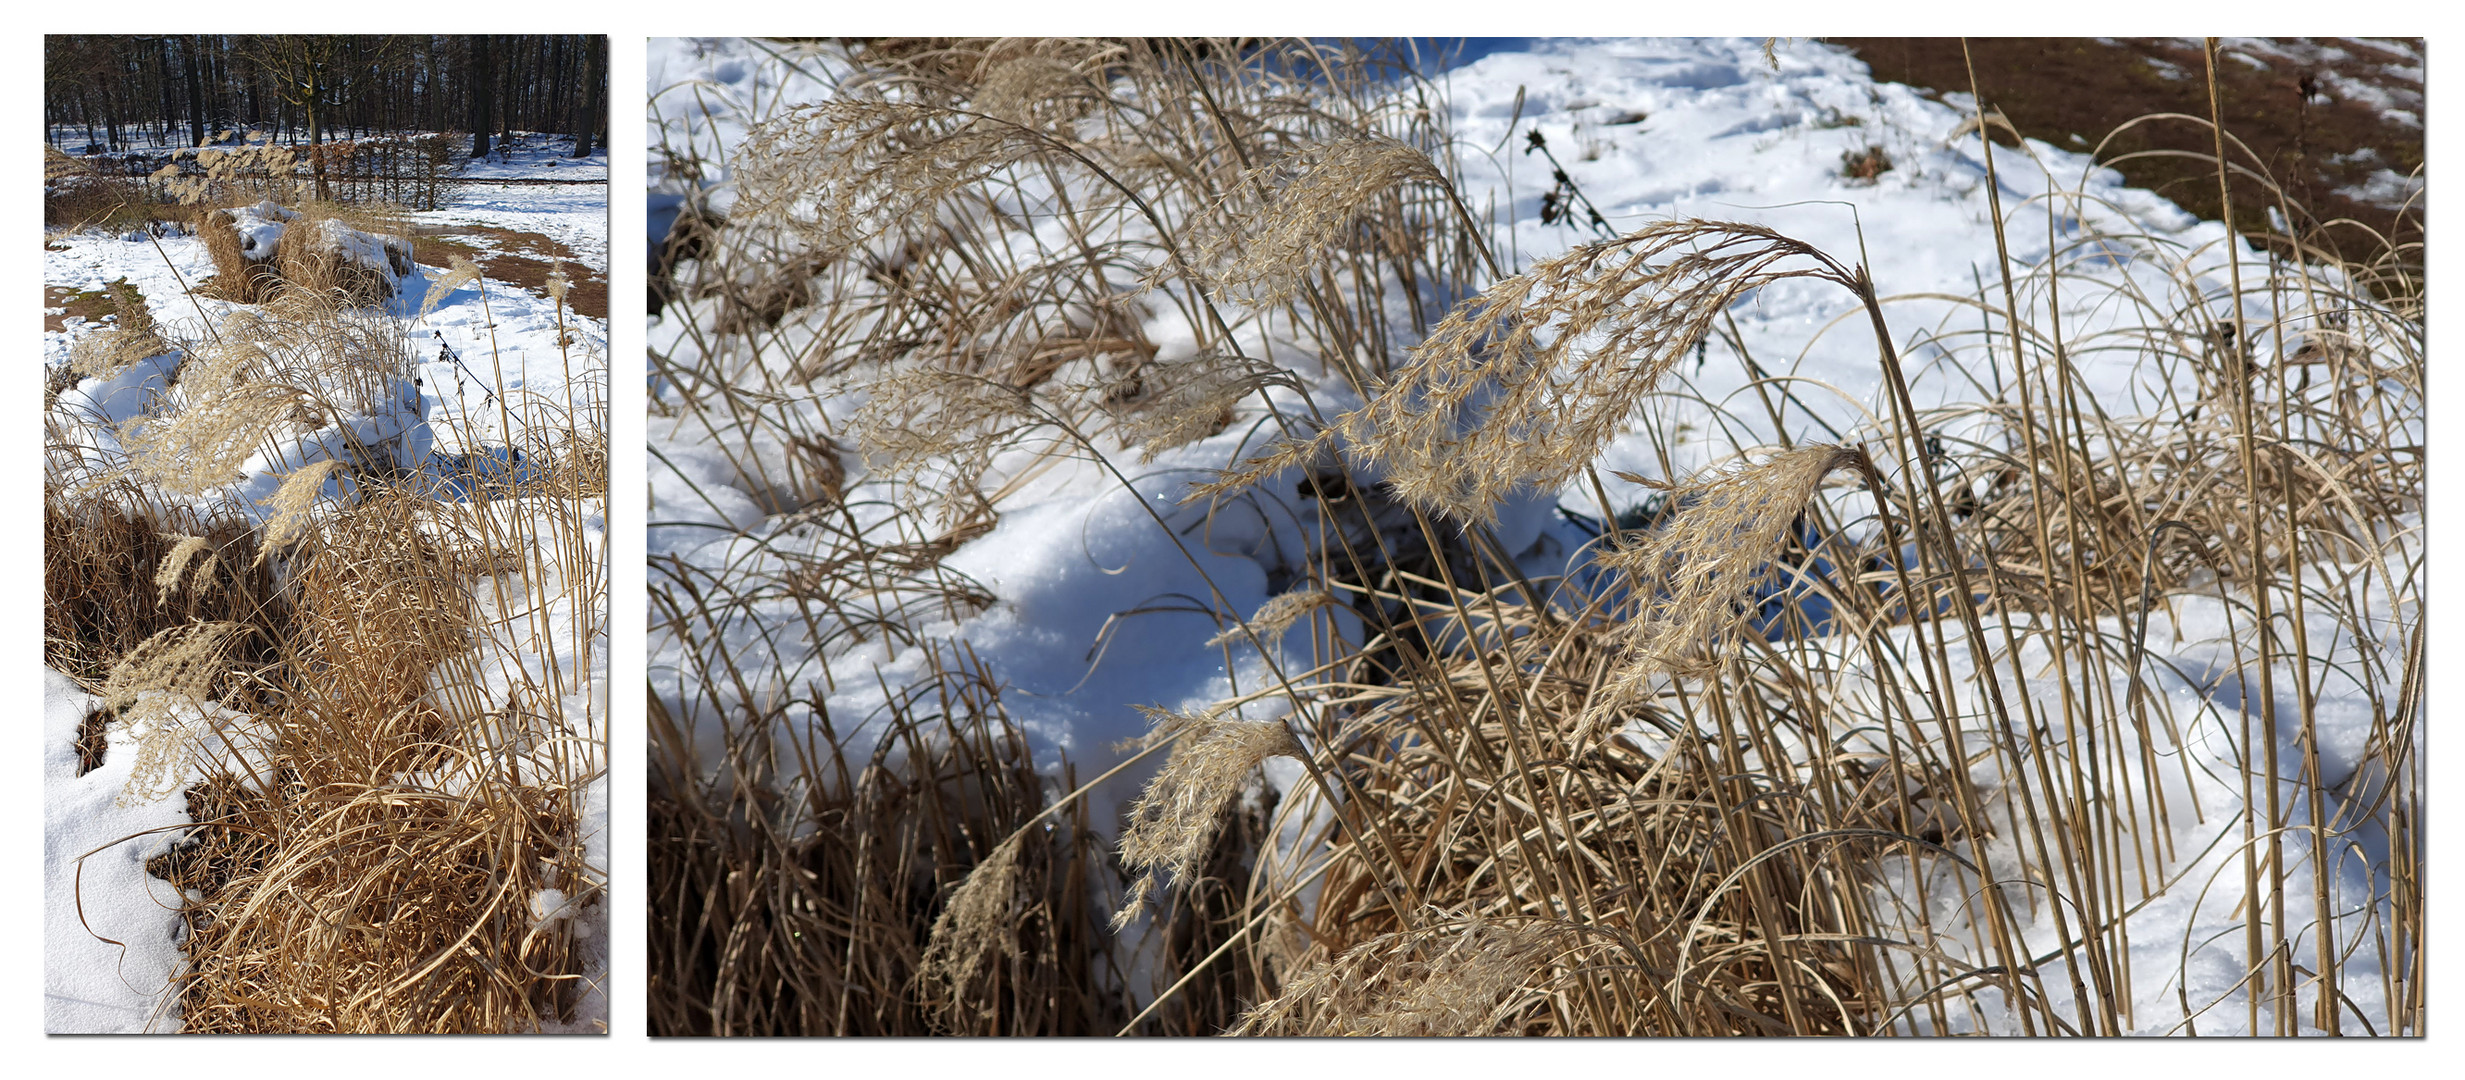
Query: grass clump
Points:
[1868, 733]
[377, 698]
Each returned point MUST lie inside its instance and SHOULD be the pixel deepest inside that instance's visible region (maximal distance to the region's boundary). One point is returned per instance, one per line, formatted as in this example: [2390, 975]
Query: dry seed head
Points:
[1032, 90]
[167, 576]
[940, 430]
[558, 283]
[1281, 455]
[1691, 575]
[843, 172]
[1455, 978]
[102, 355]
[976, 923]
[1182, 401]
[1277, 615]
[463, 272]
[203, 445]
[1260, 258]
[171, 669]
[292, 504]
[1523, 385]
[1174, 820]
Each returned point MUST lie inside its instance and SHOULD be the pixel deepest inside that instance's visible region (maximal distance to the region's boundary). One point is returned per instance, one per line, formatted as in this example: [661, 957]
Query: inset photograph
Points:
[1704, 537]
[325, 375]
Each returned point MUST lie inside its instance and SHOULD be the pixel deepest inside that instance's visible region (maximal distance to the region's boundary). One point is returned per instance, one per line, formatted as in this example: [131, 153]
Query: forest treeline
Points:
[108, 92]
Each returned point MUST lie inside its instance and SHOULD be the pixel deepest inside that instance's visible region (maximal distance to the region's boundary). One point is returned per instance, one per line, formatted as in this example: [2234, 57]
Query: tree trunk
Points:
[316, 127]
[196, 94]
[482, 90]
[594, 57]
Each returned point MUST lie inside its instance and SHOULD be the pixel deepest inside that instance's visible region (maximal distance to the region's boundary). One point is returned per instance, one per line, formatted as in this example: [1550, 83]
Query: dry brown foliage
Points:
[1704, 792]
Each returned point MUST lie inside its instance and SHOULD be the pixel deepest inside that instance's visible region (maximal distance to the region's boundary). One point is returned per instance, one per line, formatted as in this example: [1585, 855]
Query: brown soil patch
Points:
[93, 304]
[2307, 117]
[517, 258]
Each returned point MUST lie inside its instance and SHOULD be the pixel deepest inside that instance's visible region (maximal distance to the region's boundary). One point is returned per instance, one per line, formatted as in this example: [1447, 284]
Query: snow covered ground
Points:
[497, 366]
[1096, 611]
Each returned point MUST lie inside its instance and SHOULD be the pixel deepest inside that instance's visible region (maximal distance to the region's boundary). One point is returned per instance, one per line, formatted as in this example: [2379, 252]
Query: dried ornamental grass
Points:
[1261, 256]
[170, 672]
[1523, 385]
[1451, 978]
[1694, 574]
[844, 172]
[1172, 825]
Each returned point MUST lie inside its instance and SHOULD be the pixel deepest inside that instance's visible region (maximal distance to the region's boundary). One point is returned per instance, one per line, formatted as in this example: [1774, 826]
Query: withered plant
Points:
[1859, 734]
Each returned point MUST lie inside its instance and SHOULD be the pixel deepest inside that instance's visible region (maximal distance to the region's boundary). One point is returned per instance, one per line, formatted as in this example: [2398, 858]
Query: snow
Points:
[493, 374]
[95, 847]
[1097, 609]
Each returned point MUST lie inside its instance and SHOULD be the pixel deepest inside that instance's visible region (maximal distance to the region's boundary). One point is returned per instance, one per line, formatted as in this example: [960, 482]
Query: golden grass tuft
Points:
[1454, 978]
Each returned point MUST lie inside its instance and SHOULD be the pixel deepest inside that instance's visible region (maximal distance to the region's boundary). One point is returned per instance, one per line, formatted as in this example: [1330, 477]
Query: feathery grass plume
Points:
[1260, 257]
[1456, 978]
[1277, 615]
[843, 172]
[202, 446]
[167, 576]
[1173, 822]
[112, 351]
[939, 430]
[1183, 401]
[1523, 385]
[292, 504]
[1281, 454]
[172, 669]
[976, 924]
[1690, 575]
[1034, 90]
[463, 272]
